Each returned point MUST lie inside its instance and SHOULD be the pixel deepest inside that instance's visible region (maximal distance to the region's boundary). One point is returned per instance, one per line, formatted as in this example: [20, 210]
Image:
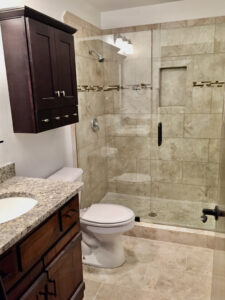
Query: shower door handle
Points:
[216, 212]
[159, 134]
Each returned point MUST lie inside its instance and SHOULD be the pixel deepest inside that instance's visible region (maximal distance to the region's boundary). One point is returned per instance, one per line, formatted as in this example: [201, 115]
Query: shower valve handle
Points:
[216, 212]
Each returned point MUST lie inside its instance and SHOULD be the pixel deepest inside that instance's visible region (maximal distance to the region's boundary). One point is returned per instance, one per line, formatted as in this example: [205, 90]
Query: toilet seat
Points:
[106, 215]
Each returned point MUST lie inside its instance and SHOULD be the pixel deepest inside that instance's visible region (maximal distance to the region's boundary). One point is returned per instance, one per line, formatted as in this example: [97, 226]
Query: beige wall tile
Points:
[202, 125]
[134, 188]
[217, 100]
[134, 102]
[186, 41]
[220, 38]
[214, 150]
[200, 173]
[132, 147]
[184, 192]
[201, 100]
[91, 105]
[208, 67]
[180, 149]
[128, 125]
[166, 171]
[120, 165]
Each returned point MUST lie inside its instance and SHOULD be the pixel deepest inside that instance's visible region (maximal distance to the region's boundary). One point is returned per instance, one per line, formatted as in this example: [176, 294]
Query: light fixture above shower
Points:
[126, 47]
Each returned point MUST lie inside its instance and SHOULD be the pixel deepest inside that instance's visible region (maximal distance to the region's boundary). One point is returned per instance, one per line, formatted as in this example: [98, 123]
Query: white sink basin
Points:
[14, 207]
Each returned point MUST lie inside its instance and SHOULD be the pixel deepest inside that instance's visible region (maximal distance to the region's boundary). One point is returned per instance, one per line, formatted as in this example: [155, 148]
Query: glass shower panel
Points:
[128, 122]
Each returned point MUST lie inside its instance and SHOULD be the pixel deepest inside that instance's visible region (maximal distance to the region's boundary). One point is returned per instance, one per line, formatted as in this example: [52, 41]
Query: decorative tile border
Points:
[7, 171]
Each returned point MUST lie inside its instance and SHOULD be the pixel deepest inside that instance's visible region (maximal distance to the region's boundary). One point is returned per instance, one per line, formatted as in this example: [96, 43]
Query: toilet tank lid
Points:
[106, 213]
[67, 174]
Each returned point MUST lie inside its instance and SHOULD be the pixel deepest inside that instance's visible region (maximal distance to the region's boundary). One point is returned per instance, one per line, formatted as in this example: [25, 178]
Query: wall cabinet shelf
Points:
[40, 65]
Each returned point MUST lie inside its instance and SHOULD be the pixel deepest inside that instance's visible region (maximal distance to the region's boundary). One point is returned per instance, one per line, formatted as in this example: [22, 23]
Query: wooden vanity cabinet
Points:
[40, 65]
[65, 272]
[47, 264]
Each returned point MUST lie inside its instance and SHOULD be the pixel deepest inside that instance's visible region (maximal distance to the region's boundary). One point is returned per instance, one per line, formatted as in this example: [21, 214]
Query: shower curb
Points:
[180, 235]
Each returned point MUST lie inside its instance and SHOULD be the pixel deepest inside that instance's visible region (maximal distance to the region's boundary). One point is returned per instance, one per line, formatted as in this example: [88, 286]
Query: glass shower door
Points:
[187, 107]
[218, 286]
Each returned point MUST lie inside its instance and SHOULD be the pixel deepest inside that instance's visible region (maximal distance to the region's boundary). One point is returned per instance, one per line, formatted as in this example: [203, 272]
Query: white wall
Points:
[37, 155]
[160, 13]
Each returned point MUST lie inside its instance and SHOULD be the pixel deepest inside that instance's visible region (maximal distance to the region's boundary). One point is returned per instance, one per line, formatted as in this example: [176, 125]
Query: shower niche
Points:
[172, 86]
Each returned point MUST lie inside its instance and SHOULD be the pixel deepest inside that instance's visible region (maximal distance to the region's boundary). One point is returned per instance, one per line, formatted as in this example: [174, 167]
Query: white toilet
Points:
[102, 226]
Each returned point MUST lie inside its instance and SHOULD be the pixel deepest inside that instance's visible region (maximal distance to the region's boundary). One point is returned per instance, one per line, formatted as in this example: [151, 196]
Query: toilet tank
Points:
[68, 174]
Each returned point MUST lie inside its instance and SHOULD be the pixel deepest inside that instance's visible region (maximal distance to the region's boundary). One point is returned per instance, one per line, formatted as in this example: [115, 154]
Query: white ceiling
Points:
[105, 5]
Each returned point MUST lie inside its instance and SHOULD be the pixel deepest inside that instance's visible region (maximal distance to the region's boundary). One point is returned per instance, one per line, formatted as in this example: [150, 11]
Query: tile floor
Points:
[154, 270]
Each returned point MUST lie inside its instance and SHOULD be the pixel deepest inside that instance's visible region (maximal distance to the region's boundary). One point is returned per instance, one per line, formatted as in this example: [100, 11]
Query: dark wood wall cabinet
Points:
[47, 263]
[40, 65]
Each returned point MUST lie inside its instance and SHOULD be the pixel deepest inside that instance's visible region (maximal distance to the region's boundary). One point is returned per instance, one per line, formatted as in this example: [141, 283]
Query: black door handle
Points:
[216, 212]
[159, 134]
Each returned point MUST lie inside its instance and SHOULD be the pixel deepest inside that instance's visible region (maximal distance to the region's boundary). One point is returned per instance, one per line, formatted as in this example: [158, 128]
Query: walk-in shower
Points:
[159, 111]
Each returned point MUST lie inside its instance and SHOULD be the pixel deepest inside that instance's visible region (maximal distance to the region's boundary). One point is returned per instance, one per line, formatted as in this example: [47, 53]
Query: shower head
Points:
[99, 56]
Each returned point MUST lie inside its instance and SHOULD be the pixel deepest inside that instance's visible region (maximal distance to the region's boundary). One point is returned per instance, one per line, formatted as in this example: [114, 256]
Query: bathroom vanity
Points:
[40, 252]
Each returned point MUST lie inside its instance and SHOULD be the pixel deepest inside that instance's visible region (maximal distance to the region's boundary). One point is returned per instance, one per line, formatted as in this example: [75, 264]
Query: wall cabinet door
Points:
[65, 272]
[41, 42]
[64, 43]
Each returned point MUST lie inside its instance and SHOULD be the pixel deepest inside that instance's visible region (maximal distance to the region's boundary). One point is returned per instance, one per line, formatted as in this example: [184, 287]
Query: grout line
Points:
[100, 287]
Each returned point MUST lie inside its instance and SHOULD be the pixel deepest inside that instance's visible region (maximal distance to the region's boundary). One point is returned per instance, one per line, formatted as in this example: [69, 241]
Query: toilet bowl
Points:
[102, 226]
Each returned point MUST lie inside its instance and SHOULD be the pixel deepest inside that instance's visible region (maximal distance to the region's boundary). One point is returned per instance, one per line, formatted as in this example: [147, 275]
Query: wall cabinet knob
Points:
[46, 120]
[57, 93]
[57, 118]
[75, 114]
[66, 116]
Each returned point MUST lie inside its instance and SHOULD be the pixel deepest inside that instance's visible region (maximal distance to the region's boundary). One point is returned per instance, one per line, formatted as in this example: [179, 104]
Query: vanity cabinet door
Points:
[65, 55]
[38, 290]
[65, 272]
[41, 43]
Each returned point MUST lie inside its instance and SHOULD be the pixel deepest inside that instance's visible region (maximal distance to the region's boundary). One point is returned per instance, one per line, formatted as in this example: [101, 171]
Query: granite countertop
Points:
[51, 195]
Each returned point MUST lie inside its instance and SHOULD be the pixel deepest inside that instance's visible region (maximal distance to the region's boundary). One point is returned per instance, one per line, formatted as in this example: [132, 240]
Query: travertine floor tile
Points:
[91, 289]
[153, 270]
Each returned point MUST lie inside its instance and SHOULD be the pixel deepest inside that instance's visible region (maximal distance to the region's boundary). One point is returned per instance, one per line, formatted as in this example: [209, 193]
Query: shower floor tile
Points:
[154, 270]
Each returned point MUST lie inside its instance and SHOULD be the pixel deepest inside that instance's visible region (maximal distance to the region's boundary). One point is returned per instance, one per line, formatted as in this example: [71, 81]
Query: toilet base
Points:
[103, 251]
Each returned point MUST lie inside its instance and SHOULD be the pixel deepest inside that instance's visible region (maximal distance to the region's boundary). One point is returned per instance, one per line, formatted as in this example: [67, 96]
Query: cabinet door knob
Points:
[63, 93]
[46, 120]
[66, 116]
[57, 93]
[75, 114]
[57, 118]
